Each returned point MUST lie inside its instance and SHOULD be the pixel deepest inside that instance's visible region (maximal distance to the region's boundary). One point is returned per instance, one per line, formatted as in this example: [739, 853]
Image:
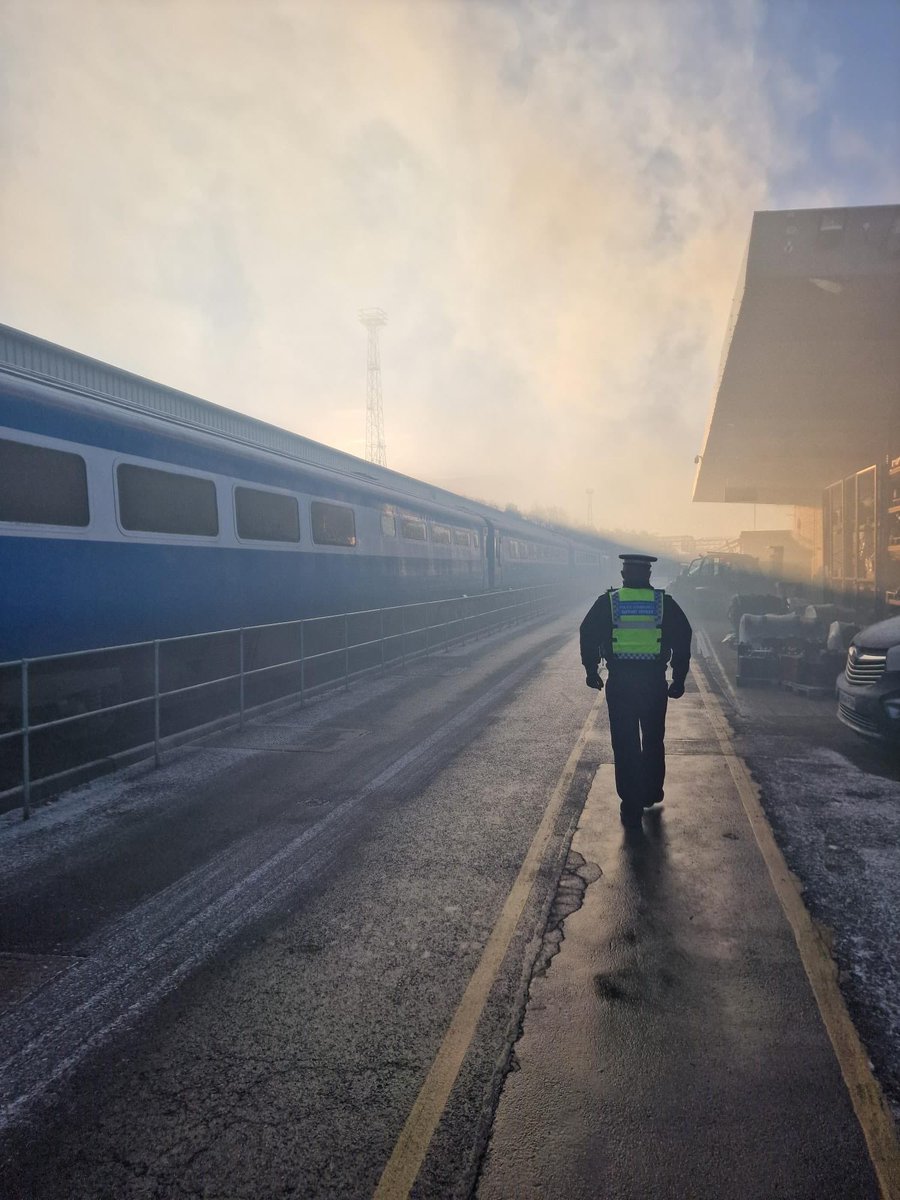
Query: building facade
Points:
[807, 404]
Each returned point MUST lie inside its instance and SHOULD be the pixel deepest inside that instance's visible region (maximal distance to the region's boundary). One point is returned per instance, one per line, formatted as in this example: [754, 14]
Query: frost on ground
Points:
[839, 829]
[90, 812]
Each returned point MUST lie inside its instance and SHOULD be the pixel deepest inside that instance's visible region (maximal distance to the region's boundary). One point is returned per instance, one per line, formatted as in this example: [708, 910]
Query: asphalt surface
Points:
[674, 1036]
[231, 977]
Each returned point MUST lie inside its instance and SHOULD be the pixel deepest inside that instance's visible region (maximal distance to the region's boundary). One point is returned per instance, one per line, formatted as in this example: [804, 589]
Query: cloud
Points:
[550, 200]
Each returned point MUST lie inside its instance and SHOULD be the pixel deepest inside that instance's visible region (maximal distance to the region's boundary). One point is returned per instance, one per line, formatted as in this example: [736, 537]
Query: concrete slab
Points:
[673, 1047]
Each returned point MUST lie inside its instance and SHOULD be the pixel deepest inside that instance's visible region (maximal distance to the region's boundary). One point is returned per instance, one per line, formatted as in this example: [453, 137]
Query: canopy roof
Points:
[809, 387]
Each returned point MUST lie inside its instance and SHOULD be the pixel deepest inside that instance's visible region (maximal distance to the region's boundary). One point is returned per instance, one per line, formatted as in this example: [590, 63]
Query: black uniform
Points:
[637, 697]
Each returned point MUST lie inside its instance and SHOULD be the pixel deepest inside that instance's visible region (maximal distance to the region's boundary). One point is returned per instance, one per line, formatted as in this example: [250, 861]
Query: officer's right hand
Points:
[593, 680]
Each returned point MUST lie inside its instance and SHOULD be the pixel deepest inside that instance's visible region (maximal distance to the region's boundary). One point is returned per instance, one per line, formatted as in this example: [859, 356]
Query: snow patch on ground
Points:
[89, 811]
[839, 829]
[86, 812]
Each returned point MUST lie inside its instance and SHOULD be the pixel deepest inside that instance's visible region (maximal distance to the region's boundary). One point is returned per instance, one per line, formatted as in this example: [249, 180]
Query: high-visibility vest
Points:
[637, 615]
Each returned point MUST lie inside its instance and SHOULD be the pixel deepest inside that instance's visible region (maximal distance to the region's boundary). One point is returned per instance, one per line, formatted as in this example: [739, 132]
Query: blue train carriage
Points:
[130, 511]
[119, 527]
[521, 553]
[595, 563]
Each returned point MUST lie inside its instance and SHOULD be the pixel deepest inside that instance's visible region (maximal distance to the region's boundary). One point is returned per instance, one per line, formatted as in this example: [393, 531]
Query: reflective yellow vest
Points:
[637, 615]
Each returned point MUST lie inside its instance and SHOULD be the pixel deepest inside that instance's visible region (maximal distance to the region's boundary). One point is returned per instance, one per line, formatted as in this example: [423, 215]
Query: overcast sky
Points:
[550, 200]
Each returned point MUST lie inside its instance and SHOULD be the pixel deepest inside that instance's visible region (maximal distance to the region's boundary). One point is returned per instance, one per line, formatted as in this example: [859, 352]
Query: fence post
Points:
[26, 746]
[403, 636]
[381, 631]
[427, 626]
[302, 665]
[346, 652]
[156, 703]
[241, 640]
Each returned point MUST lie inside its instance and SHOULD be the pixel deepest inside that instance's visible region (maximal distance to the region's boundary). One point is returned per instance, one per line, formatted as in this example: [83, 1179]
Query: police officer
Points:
[637, 628]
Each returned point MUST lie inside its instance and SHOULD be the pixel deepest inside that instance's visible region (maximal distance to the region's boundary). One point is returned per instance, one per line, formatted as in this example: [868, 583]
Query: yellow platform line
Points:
[409, 1153]
[866, 1095]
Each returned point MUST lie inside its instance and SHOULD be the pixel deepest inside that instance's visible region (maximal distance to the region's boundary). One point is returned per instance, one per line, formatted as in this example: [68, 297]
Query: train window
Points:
[39, 486]
[388, 525]
[476, 541]
[461, 537]
[412, 528]
[154, 501]
[440, 534]
[266, 516]
[332, 524]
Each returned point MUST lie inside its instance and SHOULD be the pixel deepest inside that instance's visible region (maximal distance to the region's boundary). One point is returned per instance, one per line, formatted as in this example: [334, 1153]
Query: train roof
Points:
[24, 356]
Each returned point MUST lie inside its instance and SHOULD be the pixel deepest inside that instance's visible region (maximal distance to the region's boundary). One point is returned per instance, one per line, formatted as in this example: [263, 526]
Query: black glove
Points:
[593, 680]
[676, 690]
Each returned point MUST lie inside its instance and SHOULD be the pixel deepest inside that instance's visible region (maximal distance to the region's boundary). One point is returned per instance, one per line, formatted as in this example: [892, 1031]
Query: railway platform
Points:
[395, 943]
[684, 1035]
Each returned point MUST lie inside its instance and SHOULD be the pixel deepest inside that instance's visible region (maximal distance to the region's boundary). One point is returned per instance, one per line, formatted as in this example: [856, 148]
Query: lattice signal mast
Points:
[376, 451]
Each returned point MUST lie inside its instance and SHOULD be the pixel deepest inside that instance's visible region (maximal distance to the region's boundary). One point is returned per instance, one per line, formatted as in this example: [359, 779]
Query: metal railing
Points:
[78, 714]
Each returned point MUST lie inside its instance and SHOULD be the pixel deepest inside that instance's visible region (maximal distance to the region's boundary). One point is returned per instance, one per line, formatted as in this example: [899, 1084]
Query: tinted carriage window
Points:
[440, 534]
[153, 501]
[332, 524]
[266, 516]
[39, 486]
[388, 525]
[412, 529]
[461, 537]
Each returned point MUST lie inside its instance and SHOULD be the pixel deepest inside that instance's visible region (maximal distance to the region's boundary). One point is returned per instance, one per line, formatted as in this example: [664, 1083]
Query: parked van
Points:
[869, 686]
[706, 585]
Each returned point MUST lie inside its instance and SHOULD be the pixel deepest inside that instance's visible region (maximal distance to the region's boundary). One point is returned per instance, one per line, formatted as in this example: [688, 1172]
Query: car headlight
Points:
[891, 705]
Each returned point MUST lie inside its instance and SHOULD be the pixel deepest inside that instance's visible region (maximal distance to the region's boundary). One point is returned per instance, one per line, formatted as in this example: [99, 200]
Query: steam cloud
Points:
[550, 200]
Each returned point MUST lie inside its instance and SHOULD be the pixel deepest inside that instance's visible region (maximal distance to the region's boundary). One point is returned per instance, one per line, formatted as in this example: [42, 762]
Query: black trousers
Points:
[637, 702]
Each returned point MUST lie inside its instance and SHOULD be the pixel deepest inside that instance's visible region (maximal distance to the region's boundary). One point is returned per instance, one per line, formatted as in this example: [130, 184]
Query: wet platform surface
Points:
[233, 977]
[673, 1046]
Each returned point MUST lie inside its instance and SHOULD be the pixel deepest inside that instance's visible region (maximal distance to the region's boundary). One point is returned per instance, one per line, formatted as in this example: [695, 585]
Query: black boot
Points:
[630, 816]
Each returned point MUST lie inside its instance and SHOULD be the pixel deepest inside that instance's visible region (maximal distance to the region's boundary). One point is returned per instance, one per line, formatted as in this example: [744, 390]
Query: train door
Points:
[492, 546]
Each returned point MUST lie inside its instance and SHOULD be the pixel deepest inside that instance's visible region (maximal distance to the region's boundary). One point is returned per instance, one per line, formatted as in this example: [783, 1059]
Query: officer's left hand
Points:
[593, 680]
[676, 690]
